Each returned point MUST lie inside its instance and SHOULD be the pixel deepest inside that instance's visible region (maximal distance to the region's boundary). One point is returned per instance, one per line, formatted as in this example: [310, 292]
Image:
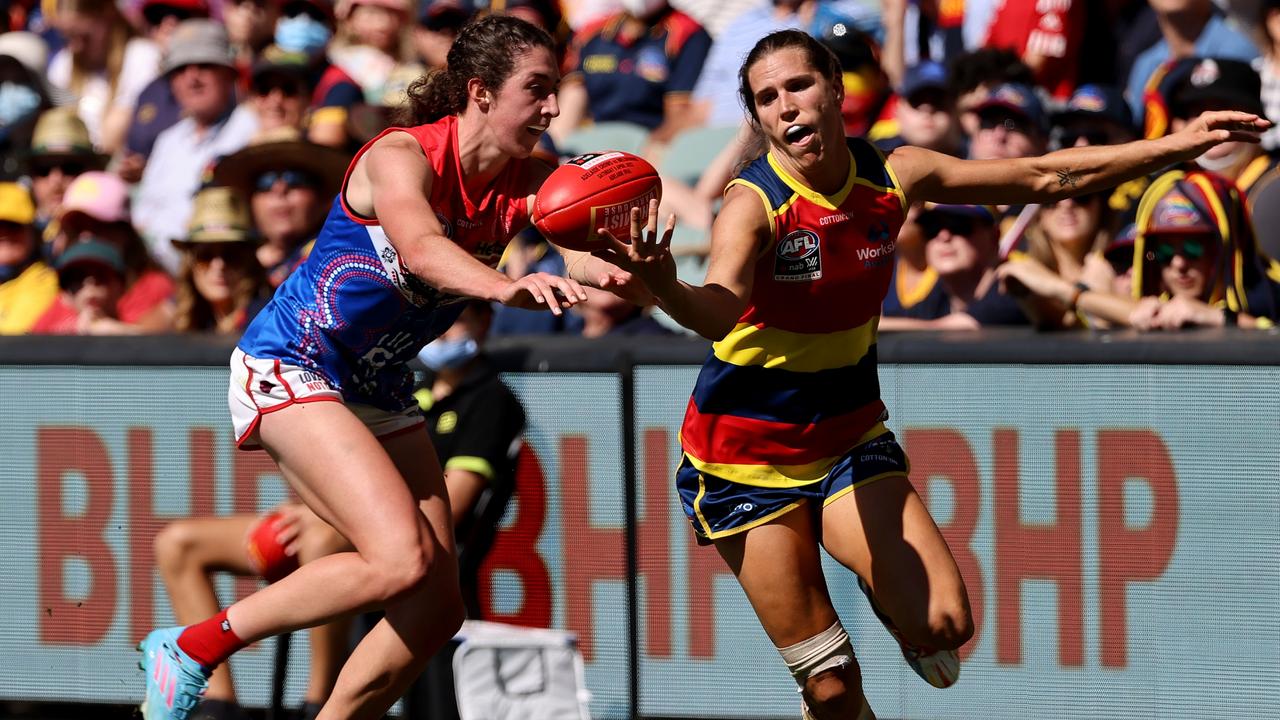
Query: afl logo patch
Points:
[799, 257]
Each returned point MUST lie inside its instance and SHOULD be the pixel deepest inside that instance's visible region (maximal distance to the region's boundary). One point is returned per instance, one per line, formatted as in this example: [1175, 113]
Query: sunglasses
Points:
[1008, 121]
[1084, 199]
[265, 86]
[933, 223]
[292, 179]
[1091, 137]
[1190, 249]
[69, 169]
[231, 253]
[934, 98]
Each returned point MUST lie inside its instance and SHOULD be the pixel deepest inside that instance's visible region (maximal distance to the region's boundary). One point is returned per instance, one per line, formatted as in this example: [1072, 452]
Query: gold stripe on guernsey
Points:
[768, 207]
[780, 476]
[830, 202]
[897, 185]
[750, 345]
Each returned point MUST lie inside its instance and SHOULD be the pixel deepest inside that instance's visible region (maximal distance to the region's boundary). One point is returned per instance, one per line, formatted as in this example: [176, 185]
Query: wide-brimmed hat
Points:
[282, 149]
[218, 215]
[29, 49]
[60, 136]
[198, 41]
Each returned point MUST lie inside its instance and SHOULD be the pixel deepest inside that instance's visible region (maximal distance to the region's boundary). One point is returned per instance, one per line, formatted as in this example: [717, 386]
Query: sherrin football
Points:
[267, 556]
[594, 191]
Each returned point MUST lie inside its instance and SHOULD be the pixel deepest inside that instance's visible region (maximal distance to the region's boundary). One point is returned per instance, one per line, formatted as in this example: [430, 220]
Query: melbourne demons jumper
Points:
[344, 324]
[787, 406]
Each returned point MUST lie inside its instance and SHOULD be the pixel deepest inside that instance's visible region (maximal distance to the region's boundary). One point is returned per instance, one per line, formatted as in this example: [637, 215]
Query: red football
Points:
[594, 191]
[266, 555]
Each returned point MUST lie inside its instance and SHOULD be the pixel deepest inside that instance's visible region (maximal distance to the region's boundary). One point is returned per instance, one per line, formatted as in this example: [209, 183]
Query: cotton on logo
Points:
[799, 244]
[744, 507]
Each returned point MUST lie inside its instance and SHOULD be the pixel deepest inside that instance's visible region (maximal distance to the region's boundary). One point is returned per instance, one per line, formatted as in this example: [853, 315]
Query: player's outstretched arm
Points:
[396, 181]
[929, 176]
[713, 308]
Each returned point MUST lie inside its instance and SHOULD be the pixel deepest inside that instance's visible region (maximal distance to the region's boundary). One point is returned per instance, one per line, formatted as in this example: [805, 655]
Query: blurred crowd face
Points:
[798, 108]
[16, 243]
[376, 26]
[86, 36]
[525, 103]
[1186, 262]
[218, 268]
[204, 91]
[285, 206]
[279, 101]
[1003, 135]
[95, 290]
[1073, 222]
[249, 22]
[1080, 133]
[925, 119]
[957, 244]
[49, 183]
[1222, 158]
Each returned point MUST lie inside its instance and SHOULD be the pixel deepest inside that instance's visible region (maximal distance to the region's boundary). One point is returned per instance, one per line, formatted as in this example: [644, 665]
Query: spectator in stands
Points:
[914, 291]
[606, 314]
[290, 183]
[103, 67]
[250, 27]
[190, 551]
[1186, 270]
[96, 206]
[1218, 84]
[1047, 37]
[438, 25]
[1189, 28]
[280, 91]
[1269, 70]
[961, 246]
[91, 275]
[1011, 124]
[23, 96]
[202, 73]
[924, 114]
[1094, 115]
[156, 108]
[27, 285]
[636, 66]
[372, 46]
[60, 151]
[866, 87]
[1061, 238]
[975, 74]
[919, 32]
[221, 284]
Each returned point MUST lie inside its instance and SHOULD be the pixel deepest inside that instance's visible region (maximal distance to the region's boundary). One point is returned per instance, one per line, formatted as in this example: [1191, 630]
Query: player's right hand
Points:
[648, 255]
[538, 290]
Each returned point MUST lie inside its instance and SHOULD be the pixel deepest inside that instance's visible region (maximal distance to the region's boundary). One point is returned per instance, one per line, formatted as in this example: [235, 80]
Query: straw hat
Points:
[283, 149]
[61, 135]
[218, 215]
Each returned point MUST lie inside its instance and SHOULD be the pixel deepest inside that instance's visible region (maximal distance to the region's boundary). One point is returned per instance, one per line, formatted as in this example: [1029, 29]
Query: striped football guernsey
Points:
[793, 386]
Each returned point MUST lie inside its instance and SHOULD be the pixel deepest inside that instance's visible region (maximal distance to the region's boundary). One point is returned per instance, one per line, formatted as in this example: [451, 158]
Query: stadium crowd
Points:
[164, 164]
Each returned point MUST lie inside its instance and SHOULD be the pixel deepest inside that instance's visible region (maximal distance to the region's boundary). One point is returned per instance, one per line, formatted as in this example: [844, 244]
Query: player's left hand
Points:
[1215, 127]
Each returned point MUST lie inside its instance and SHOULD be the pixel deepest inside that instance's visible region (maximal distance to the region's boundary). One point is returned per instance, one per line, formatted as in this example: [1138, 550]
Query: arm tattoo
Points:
[1066, 177]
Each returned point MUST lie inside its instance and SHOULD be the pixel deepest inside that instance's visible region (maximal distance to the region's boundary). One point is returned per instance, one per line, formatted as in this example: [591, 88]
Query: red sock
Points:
[210, 642]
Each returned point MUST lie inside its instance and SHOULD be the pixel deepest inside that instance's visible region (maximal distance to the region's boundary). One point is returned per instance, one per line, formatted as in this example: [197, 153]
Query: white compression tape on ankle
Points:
[824, 651]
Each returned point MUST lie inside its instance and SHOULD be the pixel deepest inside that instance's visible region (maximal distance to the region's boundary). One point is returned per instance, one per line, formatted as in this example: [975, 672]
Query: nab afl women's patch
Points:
[799, 257]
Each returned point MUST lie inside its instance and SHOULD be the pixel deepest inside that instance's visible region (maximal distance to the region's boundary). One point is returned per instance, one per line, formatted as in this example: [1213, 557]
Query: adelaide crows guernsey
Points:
[353, 313]
[793, 386]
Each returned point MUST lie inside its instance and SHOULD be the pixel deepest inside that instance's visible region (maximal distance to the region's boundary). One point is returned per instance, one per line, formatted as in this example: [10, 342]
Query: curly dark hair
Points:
[485, 49]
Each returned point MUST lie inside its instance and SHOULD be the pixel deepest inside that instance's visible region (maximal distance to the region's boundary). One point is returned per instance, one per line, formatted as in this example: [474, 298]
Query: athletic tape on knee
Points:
[827, 650]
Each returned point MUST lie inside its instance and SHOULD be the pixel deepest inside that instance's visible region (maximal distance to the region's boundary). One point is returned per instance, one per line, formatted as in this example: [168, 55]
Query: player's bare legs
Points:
[779, 567]
[883, 532]
[187, 553]
[329, 643]
[404, 559]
